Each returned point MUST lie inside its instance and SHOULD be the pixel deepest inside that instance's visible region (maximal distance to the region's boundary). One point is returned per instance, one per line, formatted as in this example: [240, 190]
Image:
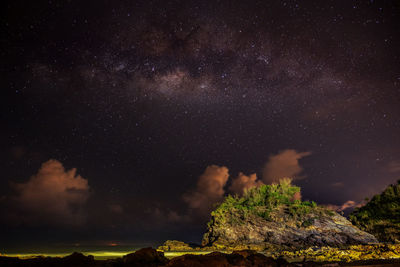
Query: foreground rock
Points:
[270, 218]
[375, 255]
[218, 259]
[75, 259]
[145, 257]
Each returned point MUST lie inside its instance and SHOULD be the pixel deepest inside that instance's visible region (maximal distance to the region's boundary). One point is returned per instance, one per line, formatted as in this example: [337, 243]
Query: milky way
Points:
[142, 96]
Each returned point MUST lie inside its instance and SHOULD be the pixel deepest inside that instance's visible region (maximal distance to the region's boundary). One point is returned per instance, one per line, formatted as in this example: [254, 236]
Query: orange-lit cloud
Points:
[52, 196]
[283, 164]
[349, 204]
[244, 182]
[209, 189]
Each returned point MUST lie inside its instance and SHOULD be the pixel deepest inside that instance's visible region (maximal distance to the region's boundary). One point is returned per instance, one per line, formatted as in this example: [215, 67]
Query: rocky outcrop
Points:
[270, 217]
[315, 229]
[174, 245]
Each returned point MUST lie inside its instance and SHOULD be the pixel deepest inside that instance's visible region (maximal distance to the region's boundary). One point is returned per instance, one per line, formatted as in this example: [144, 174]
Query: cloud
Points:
[173, 216]
[162, 216]
[394, 166]
[209, 189]
[116, 208]
[17, 152]
[52, 196]
[337, 184]
[244, 182]
[283, 164]
[349, 204]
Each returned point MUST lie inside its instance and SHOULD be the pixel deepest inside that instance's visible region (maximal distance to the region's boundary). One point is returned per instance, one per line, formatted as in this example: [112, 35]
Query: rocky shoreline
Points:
[373, 255]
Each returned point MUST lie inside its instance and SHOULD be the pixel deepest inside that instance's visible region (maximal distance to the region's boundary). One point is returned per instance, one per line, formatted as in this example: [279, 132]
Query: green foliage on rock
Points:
[273, 216]
[381, 215]
[262, 201]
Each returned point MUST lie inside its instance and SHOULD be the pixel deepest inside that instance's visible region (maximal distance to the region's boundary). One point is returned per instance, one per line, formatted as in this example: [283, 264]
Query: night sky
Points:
[125, 121]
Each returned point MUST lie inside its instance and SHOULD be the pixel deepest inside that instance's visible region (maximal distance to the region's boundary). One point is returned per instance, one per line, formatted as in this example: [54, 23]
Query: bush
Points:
[261, 201]
[381, 215]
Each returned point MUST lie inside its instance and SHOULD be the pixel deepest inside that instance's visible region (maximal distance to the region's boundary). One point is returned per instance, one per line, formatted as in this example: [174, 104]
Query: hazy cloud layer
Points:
[283, 164]
[209, 189]
[53, 196]
[394, 166]
[116, 208]
[244, 182]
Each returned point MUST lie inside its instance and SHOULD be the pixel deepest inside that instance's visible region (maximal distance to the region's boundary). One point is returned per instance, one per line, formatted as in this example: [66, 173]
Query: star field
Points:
[141, 96]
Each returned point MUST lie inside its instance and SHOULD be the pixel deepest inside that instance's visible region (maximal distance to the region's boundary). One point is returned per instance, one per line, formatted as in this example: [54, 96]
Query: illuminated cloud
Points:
[52, 196]
[283, 164]
[349, 204]
[209, 189]
[244, 182]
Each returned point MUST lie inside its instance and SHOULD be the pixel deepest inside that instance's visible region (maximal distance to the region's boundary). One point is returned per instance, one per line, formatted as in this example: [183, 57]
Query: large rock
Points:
[283, 231]
[274, 217]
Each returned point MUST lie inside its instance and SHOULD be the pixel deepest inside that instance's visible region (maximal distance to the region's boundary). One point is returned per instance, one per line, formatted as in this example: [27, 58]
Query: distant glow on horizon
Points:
[99, 255]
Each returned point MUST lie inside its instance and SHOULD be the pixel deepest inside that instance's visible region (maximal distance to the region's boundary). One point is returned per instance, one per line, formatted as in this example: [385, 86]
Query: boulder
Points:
[145, 257]
[78, 259]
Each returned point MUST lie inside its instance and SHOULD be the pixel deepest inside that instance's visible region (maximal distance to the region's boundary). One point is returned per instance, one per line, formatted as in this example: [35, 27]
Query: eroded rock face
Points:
[283, 231]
